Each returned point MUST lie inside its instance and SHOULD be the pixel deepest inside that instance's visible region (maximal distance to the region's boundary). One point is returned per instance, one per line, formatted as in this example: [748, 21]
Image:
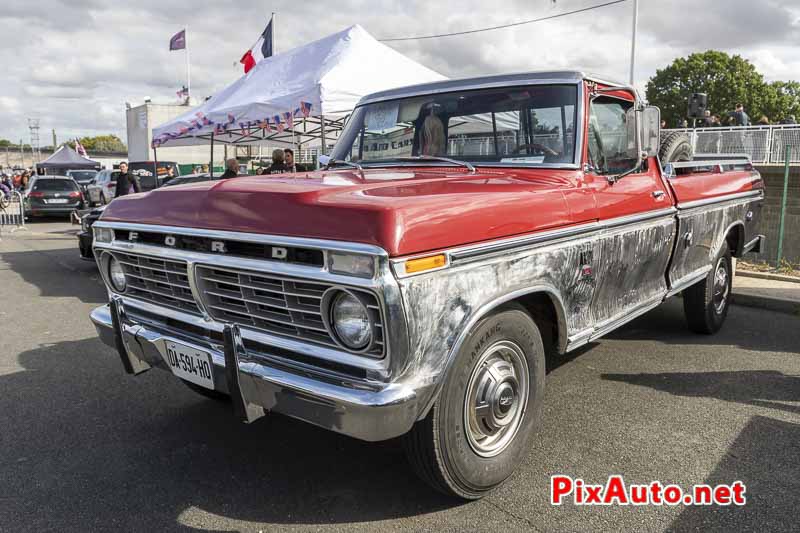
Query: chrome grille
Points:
[157, 280]
[276, 304]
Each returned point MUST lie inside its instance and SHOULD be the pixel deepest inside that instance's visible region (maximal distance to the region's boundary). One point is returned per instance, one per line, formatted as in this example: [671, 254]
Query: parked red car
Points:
[463, 232]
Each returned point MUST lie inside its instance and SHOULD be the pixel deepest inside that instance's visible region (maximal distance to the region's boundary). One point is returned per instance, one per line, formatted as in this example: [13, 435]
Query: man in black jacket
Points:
[126, 183]
[231, 169]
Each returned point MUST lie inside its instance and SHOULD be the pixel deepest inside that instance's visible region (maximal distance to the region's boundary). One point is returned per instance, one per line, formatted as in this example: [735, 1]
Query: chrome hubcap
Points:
[721, 286]
[496, 398]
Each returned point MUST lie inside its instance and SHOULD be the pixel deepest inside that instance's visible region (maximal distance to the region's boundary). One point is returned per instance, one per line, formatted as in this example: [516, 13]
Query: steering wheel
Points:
[536, 146]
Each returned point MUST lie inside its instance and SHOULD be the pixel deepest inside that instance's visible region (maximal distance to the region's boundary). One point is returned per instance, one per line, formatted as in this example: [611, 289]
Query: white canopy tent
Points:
[297, 97]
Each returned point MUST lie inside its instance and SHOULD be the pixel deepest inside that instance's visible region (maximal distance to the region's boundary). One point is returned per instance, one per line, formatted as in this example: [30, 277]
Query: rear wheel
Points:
[480, 427]
[706, 303]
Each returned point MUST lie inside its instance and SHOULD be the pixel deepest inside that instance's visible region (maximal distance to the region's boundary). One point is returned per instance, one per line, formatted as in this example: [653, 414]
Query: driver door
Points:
[634, 212]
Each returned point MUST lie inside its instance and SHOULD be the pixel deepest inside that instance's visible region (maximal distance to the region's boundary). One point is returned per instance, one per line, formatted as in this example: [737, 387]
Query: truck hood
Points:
[404, 211]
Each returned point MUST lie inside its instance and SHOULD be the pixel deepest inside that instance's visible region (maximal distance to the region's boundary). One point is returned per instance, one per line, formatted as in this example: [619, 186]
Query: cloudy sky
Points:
[73, 64]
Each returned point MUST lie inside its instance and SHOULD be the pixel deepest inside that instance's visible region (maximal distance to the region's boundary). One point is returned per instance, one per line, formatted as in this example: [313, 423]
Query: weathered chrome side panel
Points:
[593, 279]
[630, 267]
[702, 231]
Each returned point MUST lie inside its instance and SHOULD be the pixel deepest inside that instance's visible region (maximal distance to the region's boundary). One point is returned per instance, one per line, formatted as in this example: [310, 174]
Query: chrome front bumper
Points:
[370, 412]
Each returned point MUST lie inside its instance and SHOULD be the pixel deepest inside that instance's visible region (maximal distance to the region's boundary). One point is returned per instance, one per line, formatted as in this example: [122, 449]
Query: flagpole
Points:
[272, 21]
[188, 67]
[635, 22]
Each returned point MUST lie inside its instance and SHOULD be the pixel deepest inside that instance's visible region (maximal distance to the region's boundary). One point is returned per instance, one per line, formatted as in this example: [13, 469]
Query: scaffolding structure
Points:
[36, 152]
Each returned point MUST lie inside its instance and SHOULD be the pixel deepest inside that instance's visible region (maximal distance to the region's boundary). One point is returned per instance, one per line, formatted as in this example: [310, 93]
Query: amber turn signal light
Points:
[425, 263]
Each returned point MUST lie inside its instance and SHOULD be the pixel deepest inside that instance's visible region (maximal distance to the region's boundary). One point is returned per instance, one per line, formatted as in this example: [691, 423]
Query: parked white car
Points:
[103, 188]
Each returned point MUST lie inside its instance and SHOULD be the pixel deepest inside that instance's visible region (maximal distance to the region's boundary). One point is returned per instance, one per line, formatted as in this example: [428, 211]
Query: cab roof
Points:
[482, 82]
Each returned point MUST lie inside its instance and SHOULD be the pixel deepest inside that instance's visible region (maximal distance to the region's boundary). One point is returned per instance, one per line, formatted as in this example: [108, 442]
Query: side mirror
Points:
[651, 130]
[324, 160]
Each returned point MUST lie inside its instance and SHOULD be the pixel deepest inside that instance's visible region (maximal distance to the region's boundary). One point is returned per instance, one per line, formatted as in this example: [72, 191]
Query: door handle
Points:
[658, 195]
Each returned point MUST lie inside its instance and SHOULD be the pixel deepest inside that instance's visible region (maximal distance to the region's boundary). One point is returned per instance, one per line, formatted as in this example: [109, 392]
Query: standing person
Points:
[708, 121]
[278, 166]
[763, 121]
[288, 159]
[789, 120]
[126, 183]
[739, 117]
[231, 169]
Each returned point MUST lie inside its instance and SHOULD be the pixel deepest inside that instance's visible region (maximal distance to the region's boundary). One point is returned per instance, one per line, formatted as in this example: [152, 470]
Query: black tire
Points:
[439, 448]
[208, 393]
[706, 303]
[675, 146]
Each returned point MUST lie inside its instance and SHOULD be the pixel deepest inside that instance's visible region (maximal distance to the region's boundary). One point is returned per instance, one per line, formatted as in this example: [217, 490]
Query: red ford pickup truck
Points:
[461, 232]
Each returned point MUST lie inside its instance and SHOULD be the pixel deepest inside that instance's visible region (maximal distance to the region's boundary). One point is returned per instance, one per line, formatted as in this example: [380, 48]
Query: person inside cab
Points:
[231, 169]
[278, 165]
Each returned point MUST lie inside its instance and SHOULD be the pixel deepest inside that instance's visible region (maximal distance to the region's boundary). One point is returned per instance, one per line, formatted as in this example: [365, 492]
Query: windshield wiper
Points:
[437, 158]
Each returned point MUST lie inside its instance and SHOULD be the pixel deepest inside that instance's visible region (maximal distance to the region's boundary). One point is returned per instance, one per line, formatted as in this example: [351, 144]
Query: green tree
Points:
[726, 79]
[781, 99]
[101, 143]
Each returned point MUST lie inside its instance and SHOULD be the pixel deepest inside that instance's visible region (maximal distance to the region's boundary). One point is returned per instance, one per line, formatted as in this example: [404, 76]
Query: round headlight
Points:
[116, 275]
[351, 321]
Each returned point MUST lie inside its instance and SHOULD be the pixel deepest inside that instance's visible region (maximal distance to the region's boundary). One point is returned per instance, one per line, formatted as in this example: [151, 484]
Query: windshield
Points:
[530, 125]
[82, 175]
[54, 185]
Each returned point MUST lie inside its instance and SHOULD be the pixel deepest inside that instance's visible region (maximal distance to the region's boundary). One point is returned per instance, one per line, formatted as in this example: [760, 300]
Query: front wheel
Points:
[480, 427]
[706, 303]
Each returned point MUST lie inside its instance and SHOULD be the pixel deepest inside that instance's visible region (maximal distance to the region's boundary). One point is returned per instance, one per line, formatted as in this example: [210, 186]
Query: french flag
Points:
[261, 49]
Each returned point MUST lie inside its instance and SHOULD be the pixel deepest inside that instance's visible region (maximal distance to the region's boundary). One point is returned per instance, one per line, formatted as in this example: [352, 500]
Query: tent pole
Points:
[322, 131]
[155, 166]
[188, 66]
[294, 151]
[211, 166]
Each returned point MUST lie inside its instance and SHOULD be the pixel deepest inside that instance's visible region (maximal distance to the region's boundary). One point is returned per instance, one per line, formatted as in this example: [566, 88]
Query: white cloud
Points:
[79, 61]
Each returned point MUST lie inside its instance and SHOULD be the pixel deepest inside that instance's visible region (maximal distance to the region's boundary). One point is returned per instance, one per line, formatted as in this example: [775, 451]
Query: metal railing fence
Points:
[765, 145]
[12, 213]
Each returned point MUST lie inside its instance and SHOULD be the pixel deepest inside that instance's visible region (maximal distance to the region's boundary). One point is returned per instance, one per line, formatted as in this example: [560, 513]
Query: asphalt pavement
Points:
[85, 447]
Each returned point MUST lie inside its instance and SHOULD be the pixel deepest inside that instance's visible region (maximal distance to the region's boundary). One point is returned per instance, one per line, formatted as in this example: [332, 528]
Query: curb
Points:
[767, 275]
[763, 302]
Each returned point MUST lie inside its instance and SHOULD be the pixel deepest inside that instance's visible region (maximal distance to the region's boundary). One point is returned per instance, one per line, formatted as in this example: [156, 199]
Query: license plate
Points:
[56, 201]
[190, 364]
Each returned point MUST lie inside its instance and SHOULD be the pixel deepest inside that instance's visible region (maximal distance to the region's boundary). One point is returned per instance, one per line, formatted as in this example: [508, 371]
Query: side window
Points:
[612, 135]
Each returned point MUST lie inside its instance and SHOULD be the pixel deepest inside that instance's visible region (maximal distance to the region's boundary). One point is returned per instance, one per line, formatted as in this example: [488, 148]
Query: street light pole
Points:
[633, 38]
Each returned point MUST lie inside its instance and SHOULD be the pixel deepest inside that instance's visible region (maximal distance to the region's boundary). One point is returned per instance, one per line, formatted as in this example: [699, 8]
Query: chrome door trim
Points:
[688, 281]
[466, 254]
[610, 325]
[757, 194]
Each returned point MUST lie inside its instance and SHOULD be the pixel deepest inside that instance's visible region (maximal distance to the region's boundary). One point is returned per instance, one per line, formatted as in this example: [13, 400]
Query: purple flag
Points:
[178, 41]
